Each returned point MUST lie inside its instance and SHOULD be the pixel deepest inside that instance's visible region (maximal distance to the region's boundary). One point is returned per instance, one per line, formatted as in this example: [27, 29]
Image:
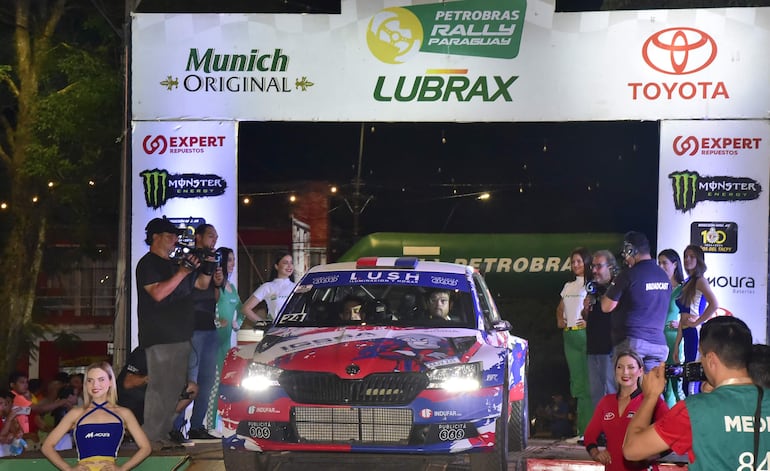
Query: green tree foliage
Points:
[61, 120]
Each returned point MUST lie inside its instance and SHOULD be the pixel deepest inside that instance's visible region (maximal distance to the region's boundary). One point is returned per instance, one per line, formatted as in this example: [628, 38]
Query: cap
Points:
[161, 225]
[136, 362]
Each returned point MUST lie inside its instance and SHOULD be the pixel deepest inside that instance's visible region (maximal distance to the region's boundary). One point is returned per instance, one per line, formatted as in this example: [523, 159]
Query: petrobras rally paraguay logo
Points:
[689, 188]
[691, 145]
[486, 28]
[160, 144]
[679, 53]
[160, 186]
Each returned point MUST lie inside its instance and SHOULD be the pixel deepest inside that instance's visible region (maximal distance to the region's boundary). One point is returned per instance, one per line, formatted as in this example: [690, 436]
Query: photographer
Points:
[759, 366]
[166, 324]
[718, 430]
[601, 371]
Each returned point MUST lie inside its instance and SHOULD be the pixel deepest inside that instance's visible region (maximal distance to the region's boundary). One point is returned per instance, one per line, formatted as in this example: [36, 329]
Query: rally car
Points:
[384, 376]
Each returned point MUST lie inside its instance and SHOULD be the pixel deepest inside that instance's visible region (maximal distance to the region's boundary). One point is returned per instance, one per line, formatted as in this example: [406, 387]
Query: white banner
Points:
[713, 193]
[185, 171]
[471, 60]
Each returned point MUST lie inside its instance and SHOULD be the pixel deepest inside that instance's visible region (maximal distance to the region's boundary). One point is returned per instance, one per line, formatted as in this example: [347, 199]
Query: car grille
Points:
[328, 388]
[353, 424]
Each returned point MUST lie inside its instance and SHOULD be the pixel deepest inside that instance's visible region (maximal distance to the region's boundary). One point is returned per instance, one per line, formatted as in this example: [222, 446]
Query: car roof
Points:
[393, 263]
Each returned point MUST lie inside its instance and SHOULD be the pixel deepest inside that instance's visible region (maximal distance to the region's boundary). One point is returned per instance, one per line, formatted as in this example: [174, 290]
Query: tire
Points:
[497, 459]
[238, 460]
[518, 424]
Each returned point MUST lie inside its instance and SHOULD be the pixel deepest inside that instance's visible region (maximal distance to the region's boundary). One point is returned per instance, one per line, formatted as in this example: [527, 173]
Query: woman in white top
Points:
[274, 292]
[570, 320]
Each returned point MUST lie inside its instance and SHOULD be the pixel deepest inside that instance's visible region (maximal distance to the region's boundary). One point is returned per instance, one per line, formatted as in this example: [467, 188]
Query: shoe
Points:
[576, 439]
[166, 446]
[177, 437]
[200, 434]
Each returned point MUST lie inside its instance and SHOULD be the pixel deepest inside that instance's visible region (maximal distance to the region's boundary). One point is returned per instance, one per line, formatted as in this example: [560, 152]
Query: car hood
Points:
[366, 350]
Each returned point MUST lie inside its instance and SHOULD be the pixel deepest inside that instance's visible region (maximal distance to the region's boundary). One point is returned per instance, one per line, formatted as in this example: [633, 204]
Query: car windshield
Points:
[399, 298]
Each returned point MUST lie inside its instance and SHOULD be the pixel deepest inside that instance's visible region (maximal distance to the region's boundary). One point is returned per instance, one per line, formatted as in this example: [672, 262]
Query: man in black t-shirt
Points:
[638, 299]
[601, 370]
[166, 323]
[202, 367]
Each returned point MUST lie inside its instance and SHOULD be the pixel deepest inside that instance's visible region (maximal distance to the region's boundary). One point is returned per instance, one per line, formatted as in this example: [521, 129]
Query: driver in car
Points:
[439, 304]
[351, 309]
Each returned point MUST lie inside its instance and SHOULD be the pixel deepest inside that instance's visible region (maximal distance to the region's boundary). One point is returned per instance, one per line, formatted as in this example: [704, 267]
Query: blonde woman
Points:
[98, 427]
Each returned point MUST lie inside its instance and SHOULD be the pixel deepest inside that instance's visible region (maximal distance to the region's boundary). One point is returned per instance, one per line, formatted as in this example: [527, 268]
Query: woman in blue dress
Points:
[697, 304]
[98, 427]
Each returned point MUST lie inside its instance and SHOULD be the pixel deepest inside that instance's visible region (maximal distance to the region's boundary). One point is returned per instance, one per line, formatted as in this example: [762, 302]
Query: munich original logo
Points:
[179, 144]
[160, 186]
[690, 188]
[679, 52]
[692, 145]
[212, 70]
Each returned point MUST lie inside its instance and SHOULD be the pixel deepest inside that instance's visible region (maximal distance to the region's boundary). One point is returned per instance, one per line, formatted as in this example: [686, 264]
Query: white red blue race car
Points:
[357, 362]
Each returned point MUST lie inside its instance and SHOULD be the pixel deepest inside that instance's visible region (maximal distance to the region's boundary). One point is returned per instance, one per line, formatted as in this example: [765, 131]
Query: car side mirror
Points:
[501, 326]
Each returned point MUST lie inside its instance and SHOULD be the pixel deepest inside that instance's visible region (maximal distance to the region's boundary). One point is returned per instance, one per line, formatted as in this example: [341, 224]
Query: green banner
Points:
[485, 28]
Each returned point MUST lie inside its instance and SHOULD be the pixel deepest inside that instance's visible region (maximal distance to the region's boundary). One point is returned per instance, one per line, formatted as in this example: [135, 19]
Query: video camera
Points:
[182, 253]
[691, 371]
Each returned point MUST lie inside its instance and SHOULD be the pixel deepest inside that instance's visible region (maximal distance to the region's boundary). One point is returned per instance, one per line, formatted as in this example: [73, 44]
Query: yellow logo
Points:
[394, 35]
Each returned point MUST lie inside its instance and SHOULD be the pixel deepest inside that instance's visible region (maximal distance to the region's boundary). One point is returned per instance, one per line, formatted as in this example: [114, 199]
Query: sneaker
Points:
[166, 446]
[576, 439]
[177, 437]
[200, 434]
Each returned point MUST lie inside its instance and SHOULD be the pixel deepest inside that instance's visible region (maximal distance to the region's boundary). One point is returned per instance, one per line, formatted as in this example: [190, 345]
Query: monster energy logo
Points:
[160, 186]
[689, 188]
[155, 186]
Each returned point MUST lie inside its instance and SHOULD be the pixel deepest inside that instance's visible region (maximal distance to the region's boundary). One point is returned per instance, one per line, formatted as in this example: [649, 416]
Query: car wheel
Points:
[237, 460]
[518, 424]
[497, 459]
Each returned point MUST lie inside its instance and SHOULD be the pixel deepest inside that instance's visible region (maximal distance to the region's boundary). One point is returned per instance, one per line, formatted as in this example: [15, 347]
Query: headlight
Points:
[456, 378]
[260, 377]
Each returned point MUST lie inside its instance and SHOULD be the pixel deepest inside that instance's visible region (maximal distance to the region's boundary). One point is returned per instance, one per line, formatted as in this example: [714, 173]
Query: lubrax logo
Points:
[179, 144]
[679, 52]
[690, 188]
[434, 87]
[692, 145]
[160, 186]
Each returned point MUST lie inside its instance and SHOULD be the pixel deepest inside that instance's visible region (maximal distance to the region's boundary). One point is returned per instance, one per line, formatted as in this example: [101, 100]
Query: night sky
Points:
[542, 177]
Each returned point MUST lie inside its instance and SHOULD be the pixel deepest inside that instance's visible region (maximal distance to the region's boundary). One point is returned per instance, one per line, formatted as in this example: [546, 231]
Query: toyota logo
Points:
[352, 369]
[679, 51]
